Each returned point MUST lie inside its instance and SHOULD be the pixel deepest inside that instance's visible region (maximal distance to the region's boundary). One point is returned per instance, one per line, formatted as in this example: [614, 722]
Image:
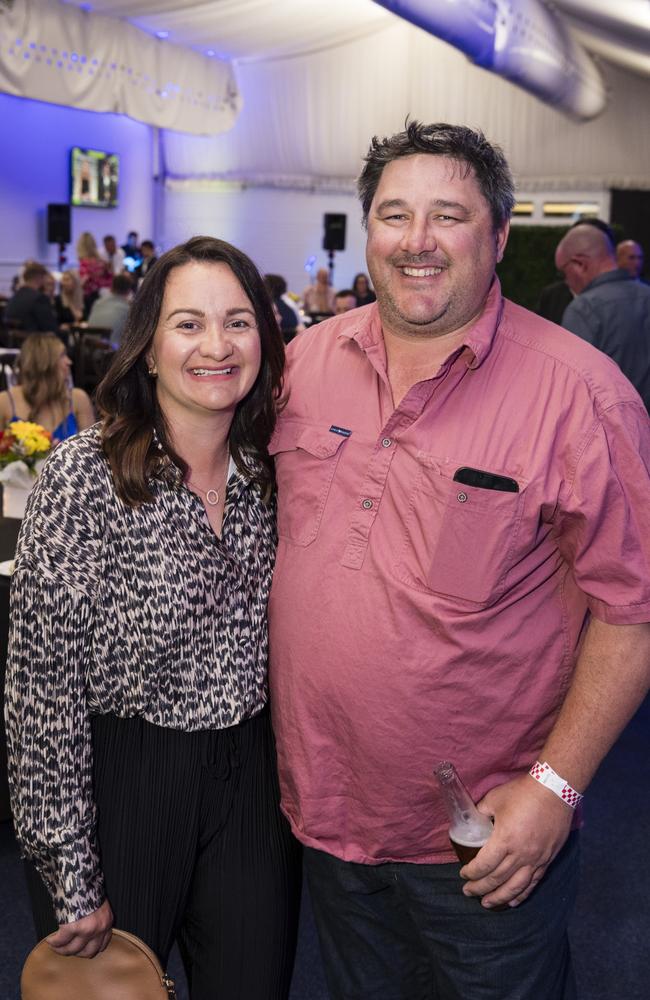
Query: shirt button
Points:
[367, 504]
[462, 497]
[386, 443]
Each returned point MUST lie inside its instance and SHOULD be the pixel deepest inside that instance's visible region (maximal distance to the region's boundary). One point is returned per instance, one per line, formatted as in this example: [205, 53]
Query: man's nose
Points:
[419, 236]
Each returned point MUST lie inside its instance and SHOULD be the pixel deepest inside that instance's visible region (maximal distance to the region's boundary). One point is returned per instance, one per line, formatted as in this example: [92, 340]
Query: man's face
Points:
[432, 247]
[344, 303]
[576, 270]
[630, 257]
[109, 244]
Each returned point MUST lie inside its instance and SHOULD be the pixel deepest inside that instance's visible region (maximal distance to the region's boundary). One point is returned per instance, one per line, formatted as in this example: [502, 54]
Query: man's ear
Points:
[501, 237]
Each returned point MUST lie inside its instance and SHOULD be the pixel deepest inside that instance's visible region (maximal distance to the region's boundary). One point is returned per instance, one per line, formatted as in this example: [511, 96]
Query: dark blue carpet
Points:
[610, 930]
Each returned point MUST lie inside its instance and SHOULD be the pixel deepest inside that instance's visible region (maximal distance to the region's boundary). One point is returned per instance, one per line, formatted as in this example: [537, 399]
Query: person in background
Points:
[94, 273]
[113, 255]
[611, 309]
[345, 300]
[629, 256]
[131, 247]
[29, 306]
[111, 311]
[290, 318]
[318, 299]
[69, 303]
[463, 573]
[148, 259]
[139, 626]
[362, 290]
[44, 394]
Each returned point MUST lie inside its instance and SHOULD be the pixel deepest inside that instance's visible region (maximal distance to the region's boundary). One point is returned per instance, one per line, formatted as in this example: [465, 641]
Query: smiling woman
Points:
[138, 652]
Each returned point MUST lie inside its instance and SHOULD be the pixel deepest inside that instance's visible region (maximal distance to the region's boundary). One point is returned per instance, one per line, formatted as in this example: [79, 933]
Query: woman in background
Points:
[94, 272]
[141, 758]
[362, 290]
[44, 394]
[69, 303]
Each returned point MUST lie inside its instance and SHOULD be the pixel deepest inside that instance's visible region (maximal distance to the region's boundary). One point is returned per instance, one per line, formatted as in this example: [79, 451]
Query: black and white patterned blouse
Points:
[136, 611]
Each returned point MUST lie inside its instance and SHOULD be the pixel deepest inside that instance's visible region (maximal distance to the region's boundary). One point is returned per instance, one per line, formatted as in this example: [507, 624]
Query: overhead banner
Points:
[58, 53]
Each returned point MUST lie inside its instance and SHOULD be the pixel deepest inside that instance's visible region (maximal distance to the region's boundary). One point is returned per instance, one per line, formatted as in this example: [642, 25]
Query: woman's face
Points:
[361, 285]
[49, 286]
[67, 284]
[206, 348]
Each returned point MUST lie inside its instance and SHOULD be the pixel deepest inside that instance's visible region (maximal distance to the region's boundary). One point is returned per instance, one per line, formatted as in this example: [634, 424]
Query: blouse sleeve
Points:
[48, 726]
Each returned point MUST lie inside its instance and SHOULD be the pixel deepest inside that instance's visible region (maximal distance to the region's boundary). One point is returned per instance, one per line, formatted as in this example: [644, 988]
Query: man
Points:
[318, 299]
[611, 310]
[629, 256]
[344, 301]
[113, 255]
[148, 253]
[111, 311]
[30, 307]
[462, 574]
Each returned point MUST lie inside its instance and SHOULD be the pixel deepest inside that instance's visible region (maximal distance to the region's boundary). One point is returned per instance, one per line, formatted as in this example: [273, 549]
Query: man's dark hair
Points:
[34, 271]
[127, 398]
[275, 284]
[147, 243]
[465, 145]
[121, 284]
[344, 293]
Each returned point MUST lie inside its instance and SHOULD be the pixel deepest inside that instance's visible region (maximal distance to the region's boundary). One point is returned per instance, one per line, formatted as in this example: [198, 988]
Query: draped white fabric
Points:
[307, 119]
[55, 52]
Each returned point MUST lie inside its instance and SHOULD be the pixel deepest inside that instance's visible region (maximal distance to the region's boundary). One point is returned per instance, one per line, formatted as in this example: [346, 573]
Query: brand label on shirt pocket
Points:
[306, 457]
[458, 540]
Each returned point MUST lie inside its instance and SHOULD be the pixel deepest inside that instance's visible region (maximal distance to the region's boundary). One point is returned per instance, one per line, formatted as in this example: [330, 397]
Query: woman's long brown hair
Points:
[127, 396]
[41, 379]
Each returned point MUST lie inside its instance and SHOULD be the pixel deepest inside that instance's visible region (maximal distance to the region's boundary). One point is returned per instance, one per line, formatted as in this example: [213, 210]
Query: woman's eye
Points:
[187, 324]
[239, 324]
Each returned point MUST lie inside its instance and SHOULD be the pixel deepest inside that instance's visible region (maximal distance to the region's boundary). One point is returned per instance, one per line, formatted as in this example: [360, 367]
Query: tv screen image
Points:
[94, 177]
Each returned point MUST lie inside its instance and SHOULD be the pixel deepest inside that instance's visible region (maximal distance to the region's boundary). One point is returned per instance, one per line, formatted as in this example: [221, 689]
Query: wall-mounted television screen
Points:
[94, 178]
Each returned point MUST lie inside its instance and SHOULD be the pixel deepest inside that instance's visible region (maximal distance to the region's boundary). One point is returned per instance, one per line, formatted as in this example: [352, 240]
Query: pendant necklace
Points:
[212, 496]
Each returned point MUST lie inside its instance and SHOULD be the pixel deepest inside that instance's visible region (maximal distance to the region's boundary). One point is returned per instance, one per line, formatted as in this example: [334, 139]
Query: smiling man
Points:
[462, 574]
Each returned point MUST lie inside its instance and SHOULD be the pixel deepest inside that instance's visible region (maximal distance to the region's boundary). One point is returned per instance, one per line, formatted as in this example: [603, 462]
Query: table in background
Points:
[9, 528]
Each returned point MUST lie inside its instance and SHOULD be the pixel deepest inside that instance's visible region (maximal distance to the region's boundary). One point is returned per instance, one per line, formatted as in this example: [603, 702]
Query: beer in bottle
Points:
[468, 828]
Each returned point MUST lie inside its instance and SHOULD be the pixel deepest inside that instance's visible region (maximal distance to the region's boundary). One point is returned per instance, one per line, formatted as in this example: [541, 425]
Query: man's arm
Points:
[531, 823]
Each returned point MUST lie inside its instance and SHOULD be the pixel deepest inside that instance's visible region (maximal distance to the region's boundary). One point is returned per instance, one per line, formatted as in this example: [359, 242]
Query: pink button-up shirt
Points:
[414, 618]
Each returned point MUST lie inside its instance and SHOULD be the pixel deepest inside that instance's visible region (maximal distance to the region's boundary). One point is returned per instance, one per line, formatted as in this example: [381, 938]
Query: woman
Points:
[44, 395]
[94, 273]
[145, 559]
[69, 303]
[362, 290]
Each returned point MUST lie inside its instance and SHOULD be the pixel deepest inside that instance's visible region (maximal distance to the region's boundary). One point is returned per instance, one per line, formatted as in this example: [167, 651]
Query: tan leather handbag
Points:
[126, 970]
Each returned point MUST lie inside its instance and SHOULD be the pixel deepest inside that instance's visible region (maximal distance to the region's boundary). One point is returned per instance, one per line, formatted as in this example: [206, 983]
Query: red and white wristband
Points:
[545, 774]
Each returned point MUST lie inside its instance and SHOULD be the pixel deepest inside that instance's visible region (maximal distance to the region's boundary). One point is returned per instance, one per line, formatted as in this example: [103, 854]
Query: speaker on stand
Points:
[58, 229]
[333, 237]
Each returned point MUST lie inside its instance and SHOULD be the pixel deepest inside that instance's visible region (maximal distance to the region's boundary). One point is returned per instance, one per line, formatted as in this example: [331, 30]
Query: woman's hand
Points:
[85, 937]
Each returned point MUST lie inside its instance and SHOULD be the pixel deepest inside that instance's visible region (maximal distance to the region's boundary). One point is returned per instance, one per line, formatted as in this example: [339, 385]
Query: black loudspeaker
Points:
[334, 231]
[58, 223]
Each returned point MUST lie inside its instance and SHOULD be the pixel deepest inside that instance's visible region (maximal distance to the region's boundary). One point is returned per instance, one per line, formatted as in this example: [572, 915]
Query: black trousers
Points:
[194, 849]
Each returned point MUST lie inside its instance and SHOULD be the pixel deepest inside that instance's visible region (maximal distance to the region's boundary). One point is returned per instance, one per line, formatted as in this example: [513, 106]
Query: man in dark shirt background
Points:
[29, 307]
[611, 309]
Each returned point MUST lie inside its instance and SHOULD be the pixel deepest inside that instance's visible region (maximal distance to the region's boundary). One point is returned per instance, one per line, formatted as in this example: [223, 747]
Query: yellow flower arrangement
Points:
[23, 441]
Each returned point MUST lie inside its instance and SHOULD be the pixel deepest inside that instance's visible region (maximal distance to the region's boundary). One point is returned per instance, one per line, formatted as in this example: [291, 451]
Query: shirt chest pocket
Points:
[458, 540]
[305, 462]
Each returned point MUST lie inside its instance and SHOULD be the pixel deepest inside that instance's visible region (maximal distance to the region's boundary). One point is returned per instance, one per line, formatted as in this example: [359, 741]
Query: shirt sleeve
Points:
[603, 522]
[48, 726]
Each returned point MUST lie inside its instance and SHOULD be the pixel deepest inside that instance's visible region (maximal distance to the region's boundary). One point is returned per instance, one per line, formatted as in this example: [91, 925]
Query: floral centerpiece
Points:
[23, 447]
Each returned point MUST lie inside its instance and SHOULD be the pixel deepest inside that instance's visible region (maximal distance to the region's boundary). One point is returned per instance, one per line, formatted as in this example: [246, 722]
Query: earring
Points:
[153, 371]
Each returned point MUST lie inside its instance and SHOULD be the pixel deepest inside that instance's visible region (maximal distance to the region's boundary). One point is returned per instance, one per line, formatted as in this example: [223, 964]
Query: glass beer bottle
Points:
[468, 828]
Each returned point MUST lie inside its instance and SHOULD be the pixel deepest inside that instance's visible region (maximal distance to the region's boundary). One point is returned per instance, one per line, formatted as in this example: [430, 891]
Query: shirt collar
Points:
[618, 274]
[477, 342]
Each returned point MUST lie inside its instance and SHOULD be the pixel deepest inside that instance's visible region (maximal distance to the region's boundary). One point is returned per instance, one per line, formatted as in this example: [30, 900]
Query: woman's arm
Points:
[83, 409]
[5, 410]
[53, 598]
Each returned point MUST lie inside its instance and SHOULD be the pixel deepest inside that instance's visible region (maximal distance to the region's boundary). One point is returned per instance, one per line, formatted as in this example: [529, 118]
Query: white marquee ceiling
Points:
[619, 30]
